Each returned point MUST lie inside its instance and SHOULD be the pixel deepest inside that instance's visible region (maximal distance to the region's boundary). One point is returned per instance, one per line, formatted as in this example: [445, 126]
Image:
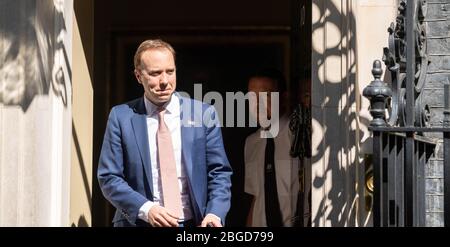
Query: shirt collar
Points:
[172, 106]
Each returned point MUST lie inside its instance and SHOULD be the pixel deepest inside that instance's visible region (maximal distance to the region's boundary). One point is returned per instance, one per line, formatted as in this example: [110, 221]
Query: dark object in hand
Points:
[300, 126]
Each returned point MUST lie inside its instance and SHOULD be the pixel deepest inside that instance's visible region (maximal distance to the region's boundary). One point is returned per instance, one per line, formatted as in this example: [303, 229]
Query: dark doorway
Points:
[220, 58]
[219, 64]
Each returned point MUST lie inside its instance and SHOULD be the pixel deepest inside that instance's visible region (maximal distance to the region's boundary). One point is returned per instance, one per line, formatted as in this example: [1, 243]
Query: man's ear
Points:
[138, 76]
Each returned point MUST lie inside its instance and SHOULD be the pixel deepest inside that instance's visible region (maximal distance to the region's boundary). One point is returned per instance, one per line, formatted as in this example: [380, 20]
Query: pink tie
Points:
[168, 168]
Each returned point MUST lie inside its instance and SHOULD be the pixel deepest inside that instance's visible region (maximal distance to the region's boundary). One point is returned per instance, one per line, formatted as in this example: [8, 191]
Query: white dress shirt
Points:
[286, 169]
[172, 120]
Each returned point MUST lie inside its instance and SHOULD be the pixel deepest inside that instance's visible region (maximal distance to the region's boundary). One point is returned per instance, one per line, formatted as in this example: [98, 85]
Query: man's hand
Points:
[212, 220]
[159, 217]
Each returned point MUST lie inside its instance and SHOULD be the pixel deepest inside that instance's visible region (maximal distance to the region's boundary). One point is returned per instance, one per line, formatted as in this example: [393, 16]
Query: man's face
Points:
[157, 75]
[261, 85]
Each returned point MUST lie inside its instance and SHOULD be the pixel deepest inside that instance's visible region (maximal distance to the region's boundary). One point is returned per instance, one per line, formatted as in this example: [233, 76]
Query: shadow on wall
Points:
[342, 195]
[33, 58]
[82, 222]
[82, 164]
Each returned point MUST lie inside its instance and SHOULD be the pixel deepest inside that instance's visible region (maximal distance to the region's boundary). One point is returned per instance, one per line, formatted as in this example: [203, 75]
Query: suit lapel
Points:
[188, 150]
[186, 146]
[187, 136]
[139, 123]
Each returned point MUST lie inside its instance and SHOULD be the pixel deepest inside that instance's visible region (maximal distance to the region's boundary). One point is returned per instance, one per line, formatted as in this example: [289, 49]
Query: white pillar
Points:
[35, 112]
[341, 40]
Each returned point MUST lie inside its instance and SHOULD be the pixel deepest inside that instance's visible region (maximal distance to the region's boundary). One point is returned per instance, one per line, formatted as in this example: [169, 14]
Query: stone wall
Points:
[438, 41]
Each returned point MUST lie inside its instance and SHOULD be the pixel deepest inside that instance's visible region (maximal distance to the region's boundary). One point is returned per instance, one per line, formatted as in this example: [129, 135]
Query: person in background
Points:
[271, 174]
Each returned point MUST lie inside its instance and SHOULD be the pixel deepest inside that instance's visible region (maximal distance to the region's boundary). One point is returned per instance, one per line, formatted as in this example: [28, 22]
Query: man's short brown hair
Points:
[151, 44]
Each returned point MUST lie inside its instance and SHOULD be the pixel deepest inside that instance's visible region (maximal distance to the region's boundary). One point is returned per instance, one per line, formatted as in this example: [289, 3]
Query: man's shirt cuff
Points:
[145, 208]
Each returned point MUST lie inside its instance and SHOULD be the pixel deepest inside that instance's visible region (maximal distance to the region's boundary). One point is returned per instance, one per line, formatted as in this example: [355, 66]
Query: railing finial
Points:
[378, 93]
[376, 70]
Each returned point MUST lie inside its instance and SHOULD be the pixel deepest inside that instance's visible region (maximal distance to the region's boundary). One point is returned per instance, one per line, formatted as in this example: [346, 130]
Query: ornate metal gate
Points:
[401, 148]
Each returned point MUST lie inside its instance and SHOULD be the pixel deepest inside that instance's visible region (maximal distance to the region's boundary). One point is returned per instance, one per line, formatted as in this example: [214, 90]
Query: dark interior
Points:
[219, 45]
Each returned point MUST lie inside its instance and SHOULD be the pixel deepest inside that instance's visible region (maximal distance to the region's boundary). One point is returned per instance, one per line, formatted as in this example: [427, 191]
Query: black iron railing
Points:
[400, 149]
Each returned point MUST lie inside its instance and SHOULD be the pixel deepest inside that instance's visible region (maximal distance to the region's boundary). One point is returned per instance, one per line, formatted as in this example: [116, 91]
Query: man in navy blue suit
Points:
[181, 180]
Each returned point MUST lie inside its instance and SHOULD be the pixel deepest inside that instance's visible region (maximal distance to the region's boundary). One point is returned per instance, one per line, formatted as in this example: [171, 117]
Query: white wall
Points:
[346, 37]
[82, 115]
[35, 112]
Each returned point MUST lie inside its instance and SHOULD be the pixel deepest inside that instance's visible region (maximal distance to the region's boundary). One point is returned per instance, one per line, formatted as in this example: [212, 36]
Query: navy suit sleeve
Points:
[218, 168]
[111, 176]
